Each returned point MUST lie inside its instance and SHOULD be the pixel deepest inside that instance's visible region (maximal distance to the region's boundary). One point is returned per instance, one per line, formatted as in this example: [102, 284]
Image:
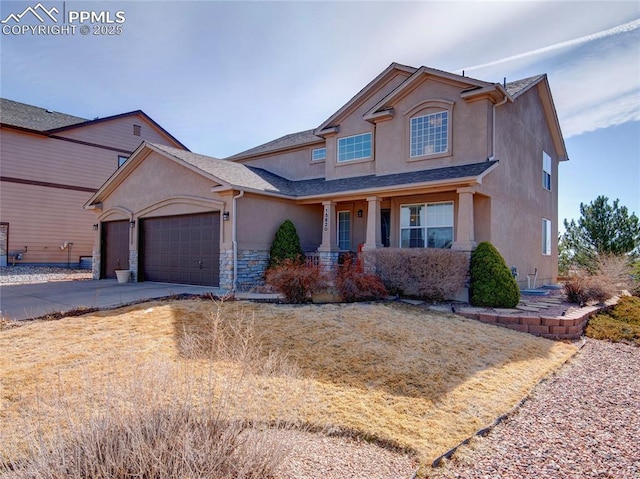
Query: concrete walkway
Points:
[25, 301]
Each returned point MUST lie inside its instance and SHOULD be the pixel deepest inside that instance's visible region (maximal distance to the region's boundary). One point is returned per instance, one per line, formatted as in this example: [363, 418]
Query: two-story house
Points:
[50, 164]
[418, 158]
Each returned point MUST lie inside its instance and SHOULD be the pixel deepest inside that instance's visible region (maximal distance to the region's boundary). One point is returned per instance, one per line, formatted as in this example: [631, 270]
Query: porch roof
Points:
[259, 180]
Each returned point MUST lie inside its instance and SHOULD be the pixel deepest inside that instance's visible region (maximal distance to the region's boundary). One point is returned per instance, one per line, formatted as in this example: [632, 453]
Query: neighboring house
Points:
[50, 165]
[418, 158]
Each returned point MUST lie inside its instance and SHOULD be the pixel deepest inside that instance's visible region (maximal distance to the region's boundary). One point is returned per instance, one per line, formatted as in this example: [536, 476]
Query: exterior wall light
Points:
[360, 213]
[225, 216]
[132, 223]
[95, 227]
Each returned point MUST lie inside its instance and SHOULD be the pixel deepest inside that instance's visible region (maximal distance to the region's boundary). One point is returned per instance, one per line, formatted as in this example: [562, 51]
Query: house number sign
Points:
[326, 218]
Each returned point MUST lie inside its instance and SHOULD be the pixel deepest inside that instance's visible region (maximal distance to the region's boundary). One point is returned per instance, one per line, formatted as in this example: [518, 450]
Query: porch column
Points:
[374, 233]
[465, 236]
[329, 233]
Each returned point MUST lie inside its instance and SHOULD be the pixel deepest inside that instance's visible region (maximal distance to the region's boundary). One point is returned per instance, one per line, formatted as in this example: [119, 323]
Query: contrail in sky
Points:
[624, 28]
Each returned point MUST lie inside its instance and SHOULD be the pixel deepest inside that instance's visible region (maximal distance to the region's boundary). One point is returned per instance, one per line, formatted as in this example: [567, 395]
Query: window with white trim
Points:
[430, 134]
[354, 147]
[426, 225]
[546, 237]
[344, 230]
[546, 171]
[318, 154]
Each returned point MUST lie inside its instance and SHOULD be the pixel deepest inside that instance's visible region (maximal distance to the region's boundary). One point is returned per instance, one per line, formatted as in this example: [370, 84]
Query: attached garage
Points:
[114, 247]
[181, 249]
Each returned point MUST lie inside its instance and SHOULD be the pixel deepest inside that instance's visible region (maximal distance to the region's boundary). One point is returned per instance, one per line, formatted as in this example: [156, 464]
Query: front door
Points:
[385, 225]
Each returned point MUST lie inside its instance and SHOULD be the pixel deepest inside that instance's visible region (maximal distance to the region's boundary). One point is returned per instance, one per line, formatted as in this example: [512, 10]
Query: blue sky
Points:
[223, 77]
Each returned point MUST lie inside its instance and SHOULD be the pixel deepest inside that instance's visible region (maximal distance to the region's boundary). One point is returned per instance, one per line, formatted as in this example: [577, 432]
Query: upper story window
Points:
[430, 134]
[121, 160]
[546, 171]
[137, 129]
[318, 154]
[354, 147]
[426, 225]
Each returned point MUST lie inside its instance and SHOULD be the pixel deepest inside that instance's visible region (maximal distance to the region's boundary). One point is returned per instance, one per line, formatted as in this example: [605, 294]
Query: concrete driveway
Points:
[25, 301]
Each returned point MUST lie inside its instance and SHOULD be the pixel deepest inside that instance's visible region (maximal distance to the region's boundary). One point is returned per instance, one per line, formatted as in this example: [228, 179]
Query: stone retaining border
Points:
[570, 326]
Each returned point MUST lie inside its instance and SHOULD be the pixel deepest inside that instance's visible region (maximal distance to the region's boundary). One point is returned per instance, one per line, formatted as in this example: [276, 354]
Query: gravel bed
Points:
[583, 422]
[316, 456]
[40, 274]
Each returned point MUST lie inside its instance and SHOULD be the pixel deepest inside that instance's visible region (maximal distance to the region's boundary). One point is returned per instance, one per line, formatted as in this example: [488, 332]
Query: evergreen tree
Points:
[286, 245]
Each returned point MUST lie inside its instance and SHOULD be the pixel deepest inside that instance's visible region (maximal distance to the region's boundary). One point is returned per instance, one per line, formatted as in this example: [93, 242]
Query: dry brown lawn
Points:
[394, 373]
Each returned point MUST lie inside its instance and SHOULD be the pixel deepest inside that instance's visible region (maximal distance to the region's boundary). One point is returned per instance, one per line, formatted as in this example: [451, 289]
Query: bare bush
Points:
[583, 288]
[296, 280]
[429, 273]
[616, 271]
[355, 284]
[168, 420]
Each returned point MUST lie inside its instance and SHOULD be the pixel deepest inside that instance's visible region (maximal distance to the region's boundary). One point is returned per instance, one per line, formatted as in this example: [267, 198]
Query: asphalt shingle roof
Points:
[258, 179]
[301, 138]
[33, 117]
[287, 141]
[514, 88]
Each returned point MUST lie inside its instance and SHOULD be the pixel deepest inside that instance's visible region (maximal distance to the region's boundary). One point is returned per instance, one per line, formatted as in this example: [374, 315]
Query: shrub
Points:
[428, 273]
[286, 245]
[355, 284]
[295, 280]
[621, 323]
[492, 284]
[583, 288]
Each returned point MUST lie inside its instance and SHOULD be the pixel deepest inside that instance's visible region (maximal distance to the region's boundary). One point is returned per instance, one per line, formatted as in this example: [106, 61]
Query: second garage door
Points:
[182, 249]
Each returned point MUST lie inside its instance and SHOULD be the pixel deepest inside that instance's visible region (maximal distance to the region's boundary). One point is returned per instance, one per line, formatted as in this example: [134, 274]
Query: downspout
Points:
[234, 238]
[493, 128]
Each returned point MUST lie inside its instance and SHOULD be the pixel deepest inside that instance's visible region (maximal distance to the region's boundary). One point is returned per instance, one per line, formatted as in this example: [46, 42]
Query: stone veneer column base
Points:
[328, 260]
[251, 265]
[133, 265]
[95, 264]
[226, 269]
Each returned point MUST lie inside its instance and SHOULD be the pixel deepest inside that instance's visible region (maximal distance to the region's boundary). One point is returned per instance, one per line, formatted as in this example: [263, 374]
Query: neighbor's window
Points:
[121, 160]
[318, 154]
[344, 230]
[354, 147]
[426, 225]
[546, 237]
[429, 134]
[546, 171]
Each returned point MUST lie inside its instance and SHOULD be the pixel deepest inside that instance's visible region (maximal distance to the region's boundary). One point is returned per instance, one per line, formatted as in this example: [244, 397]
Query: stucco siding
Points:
[260, 217]
[353, 123]
[293, 165]
[519, 200]
[468, 142]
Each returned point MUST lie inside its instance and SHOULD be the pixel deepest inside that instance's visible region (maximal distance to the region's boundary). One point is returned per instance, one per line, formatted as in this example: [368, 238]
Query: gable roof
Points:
[474, 87]
[31, 117]
[40, 120]
[228, 175]
[285, 142]
[388, 73]
[518, 87]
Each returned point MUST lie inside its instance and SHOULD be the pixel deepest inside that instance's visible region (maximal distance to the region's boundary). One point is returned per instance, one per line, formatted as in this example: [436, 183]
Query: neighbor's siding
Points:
[44, 217]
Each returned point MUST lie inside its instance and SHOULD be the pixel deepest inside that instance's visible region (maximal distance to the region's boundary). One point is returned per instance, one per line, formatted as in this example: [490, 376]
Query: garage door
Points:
[115, 247]
[182, 249]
